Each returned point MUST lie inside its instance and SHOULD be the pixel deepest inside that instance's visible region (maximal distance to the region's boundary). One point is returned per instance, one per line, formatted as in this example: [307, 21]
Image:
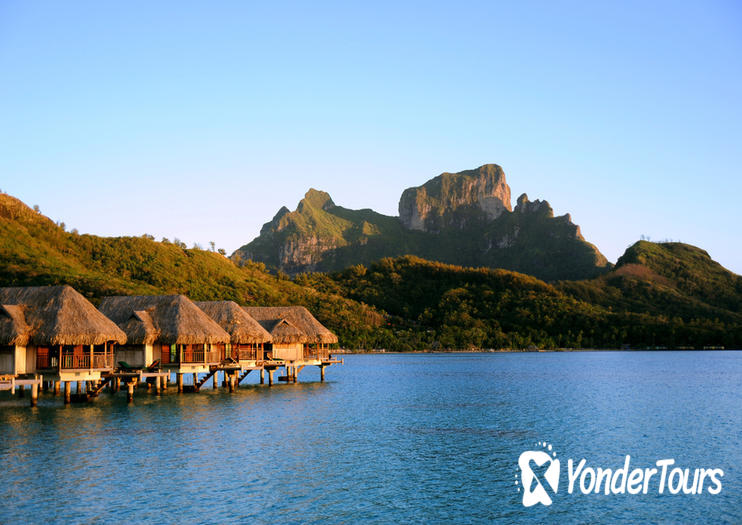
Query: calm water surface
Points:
[388, 438]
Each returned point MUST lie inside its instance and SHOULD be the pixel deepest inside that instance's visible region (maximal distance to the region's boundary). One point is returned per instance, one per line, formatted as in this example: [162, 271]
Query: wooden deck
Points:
[11, 382]
[19, 383]
[157, 379]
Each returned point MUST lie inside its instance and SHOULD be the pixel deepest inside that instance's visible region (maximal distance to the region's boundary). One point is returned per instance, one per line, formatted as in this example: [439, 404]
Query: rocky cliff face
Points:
[461, 218]
[318, 235]
[456, 200]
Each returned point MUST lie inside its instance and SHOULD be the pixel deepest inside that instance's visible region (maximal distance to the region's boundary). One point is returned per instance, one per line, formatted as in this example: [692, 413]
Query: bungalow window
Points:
[169, 353]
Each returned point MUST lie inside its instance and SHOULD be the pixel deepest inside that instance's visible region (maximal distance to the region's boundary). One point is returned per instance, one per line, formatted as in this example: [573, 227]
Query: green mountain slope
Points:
[459, 218]
[668, 279]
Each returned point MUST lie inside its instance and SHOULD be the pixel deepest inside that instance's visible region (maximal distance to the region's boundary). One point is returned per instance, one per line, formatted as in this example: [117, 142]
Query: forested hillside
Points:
[666, 295]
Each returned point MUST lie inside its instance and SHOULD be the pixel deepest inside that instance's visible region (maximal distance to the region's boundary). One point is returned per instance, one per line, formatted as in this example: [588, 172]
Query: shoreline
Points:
[515, 351]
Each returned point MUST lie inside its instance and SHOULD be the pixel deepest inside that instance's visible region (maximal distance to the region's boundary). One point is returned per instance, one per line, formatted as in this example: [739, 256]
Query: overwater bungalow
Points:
[54, 332]
[169, 332]
[245, 351]
[299, 339]
[248, 337]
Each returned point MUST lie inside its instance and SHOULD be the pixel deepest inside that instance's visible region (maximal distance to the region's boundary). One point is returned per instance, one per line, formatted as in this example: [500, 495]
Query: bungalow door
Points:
[168, 354]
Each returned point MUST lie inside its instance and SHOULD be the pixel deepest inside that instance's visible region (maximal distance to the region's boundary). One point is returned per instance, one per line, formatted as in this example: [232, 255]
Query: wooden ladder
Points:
[213, 370]
[243, 376]
[99, 387]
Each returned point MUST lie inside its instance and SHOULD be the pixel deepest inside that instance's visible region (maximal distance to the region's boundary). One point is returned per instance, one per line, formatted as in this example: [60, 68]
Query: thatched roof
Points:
[243, 328]
[166, 319]
[140, 328]
[279, 320]
[13, 327]
[284, 331]
[53, 315]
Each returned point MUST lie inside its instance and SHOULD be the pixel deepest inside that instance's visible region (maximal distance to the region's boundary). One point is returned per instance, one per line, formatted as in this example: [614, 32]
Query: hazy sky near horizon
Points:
[199, 120]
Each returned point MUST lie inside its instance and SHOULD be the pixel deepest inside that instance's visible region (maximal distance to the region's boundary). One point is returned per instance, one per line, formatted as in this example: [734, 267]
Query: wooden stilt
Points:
[57, 385]
[34, 394]
[262, 376]
[270, 377]
[216, 380]
[158, 386]
[163, 381]
[130, 392]
[180, 382]
[322, 373]
[231, 383]
[79, 387]
[67, 392]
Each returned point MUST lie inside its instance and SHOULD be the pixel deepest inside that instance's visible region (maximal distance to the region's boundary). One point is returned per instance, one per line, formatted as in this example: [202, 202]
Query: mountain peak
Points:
[455, 199]
[525, 206]
[316, 199]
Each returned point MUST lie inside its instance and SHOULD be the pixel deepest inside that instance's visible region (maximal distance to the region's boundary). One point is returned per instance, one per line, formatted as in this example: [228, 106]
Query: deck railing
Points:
[313, 352]
[201, 356]
[103, 360]
[245, 354]
[72, 361]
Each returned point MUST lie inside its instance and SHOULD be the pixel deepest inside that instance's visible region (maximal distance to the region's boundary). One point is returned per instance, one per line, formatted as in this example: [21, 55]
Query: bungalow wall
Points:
[17, 359]
[137, 355]
[288, 352]
[7, 359]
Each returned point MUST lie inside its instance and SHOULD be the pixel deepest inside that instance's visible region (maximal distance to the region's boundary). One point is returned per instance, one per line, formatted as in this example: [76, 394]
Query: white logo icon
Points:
[539, 471]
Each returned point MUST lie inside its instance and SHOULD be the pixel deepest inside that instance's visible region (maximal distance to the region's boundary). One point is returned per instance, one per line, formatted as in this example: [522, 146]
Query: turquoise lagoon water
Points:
[388, 438]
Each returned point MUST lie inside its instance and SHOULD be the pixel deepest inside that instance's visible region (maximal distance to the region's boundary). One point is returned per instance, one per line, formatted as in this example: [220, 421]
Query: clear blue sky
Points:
[199, 120]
